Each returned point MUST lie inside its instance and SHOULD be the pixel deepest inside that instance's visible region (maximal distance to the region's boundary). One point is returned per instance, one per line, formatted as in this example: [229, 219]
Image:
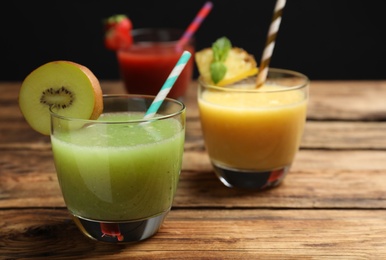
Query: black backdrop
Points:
[325, 39]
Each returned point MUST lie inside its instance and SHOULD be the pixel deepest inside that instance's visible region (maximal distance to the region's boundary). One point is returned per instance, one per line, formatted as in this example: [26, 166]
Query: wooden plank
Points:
[362, 100]
[318, 135]
[344, 135]
[334, 100]
[10, 92]
[348, 100]
[205, 234]
[17, 134]
[318, 179]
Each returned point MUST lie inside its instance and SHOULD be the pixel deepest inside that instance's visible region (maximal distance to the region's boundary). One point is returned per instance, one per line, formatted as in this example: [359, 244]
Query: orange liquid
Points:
[253, 131]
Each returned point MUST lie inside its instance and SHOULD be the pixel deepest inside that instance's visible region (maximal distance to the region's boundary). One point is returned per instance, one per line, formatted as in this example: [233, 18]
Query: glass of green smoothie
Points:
[118, 174]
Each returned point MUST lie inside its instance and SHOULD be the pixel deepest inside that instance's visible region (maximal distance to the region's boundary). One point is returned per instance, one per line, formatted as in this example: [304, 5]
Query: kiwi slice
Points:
[70, 89]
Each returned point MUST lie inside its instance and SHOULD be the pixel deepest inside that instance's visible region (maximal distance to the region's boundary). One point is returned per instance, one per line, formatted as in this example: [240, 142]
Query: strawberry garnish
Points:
[117, 30]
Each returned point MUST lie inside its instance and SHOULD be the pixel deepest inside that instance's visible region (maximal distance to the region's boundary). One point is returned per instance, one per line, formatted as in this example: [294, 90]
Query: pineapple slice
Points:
[239, 63]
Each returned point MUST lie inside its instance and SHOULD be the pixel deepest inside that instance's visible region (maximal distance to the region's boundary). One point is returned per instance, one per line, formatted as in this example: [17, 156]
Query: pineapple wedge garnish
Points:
[239, 65]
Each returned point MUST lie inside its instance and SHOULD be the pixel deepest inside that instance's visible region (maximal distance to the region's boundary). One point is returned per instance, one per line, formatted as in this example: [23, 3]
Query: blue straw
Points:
[164, 91]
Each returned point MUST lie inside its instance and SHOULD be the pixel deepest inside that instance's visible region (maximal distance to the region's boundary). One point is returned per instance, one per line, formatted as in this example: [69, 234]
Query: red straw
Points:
[204, 11]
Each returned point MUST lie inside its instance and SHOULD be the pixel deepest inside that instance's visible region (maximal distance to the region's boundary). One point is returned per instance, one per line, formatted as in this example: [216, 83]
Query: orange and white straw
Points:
[270, 43]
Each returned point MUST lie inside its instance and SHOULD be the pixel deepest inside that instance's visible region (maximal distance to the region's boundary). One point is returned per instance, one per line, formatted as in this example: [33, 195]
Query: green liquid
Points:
[119, 172]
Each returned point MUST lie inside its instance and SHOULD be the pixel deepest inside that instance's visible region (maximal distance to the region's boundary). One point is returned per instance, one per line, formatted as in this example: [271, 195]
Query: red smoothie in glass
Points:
[146, 65]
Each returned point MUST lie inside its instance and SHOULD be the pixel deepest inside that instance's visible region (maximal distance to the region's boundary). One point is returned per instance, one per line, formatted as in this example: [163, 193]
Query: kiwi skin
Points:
[98, 106]
[35, 99]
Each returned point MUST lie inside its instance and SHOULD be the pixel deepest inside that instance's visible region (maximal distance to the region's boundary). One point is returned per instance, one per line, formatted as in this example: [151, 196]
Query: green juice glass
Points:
[119, 174]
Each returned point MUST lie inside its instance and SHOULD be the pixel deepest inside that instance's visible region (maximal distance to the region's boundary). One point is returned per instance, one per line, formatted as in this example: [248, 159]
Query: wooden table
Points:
[331, 205]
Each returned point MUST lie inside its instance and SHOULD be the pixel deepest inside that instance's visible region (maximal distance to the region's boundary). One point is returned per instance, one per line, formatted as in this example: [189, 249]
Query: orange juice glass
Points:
[252, 135]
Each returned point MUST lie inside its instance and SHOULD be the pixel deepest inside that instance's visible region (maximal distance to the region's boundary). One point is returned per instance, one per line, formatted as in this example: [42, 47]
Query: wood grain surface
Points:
[332, 204]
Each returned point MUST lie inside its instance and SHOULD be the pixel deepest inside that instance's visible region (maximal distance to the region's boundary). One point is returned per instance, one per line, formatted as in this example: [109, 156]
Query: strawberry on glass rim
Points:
[117, 30]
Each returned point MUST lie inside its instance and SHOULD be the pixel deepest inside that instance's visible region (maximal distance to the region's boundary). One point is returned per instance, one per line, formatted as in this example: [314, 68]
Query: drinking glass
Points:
[145, 66]
[253, 134]
[119, 174]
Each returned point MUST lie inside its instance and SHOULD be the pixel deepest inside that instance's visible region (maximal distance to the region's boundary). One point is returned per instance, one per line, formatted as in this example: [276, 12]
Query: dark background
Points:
[325, 39]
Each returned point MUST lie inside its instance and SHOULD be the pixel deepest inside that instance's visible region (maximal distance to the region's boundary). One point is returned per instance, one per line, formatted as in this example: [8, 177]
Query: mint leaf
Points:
[220, 48]
[217, 71]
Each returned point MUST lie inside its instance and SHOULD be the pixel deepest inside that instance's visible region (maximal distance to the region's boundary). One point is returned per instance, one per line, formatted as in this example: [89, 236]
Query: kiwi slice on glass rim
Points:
[70, 89]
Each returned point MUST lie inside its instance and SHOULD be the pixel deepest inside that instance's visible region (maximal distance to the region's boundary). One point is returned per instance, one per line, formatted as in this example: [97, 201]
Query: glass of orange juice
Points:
[253, 134]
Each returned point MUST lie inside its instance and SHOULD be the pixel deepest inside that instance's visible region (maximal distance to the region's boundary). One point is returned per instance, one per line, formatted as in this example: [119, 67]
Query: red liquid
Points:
[145, 68]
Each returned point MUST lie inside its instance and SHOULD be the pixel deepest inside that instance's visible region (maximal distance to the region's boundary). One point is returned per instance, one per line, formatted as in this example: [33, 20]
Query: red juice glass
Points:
[145, 66]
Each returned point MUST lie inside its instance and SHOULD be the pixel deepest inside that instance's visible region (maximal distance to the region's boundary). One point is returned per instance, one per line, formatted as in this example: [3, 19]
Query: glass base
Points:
[249, 179]
[120, 232]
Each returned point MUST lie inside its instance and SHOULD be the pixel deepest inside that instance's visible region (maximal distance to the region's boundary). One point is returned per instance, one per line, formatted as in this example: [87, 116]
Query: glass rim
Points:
[291, 73]
[136, 31]
[126, 96]
[148, 30]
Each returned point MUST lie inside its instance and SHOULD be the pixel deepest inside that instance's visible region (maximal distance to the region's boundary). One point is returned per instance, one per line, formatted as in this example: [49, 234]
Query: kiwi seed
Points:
[60, 98]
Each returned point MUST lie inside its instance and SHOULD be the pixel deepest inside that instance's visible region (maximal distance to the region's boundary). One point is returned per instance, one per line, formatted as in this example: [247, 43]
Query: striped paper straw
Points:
[164, 91]
[192, 28]
[270, 43]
